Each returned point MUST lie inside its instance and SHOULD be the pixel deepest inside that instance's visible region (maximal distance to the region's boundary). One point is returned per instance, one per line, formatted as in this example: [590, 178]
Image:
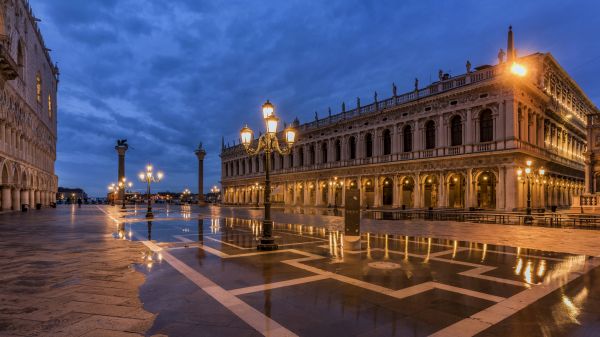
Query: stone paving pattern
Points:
[63, 274]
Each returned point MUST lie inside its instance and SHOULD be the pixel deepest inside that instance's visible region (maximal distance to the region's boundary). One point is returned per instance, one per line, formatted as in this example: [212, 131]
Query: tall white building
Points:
[459, 142]
[28, 85]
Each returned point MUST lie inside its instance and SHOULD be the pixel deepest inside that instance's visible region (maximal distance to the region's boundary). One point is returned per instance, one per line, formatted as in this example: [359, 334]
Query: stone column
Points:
[37, 197]
[25, 197]
[396, 200]
[121, 148]
[377, 191]
[6, 198]
[16, 199]
[200, 154]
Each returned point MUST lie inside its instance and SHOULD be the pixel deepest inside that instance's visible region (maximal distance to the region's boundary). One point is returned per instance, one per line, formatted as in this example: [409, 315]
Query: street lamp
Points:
[122, 185]
[529, 176]
[215, 193]
[268, 143]
[185, 194]
[149, 177]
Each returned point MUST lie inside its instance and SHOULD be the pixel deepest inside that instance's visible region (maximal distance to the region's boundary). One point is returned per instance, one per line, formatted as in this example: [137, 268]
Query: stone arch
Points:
[387, 191]
[407, 193]
[456, 189]
[368, 185]
[485, 188]
[430, 190]
[5, 174]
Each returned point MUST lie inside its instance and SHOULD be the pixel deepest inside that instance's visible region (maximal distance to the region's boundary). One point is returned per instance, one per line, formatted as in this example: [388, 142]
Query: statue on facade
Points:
[501, 55]
[316, 116]
[441, 74]
[343, 106]
[468, 65]
[329, 110]
[416, 84]
[358, 102]
[394, 90]
[375, 97]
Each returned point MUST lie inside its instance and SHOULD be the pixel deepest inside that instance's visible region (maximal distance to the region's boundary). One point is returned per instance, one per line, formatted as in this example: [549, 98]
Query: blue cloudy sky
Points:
[168, 74]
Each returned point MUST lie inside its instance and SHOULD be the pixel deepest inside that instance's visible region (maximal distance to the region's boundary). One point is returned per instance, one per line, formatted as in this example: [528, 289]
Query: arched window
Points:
[455, 131]
[38, 88]
[387, 142]
[20, 54]
[486, 126]
[368, 145]
[301, 156]
[352, 145]
[324, 152]
[407, 138]
[311, 154]
[430, 135]
[338, 150]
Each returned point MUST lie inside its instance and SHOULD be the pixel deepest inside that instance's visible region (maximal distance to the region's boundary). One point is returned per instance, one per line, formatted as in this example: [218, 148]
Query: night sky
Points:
[167, 75]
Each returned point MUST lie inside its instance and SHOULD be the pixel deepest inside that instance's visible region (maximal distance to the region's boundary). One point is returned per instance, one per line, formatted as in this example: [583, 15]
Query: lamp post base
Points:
[267, 244]
[149, 215]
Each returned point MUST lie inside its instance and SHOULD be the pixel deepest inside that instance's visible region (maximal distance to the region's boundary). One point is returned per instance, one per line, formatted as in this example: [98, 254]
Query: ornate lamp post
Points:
[215, 192]
[268, 143]
[149, 178]
[529, 175]
[122, 186]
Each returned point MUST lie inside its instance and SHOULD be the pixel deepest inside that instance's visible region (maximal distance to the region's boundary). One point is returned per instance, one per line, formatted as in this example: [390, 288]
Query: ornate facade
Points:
[28, 86]
[457, 143]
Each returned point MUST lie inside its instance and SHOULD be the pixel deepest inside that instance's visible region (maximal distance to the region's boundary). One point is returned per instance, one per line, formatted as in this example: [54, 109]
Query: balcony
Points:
[8, 67]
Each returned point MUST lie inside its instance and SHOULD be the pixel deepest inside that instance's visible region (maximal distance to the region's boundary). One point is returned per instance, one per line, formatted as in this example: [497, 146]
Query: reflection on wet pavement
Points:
[393, 285]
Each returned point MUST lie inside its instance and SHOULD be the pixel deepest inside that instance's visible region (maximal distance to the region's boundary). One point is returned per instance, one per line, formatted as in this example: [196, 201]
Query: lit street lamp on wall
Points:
[528, 177]
[149, 177]
[268, 143]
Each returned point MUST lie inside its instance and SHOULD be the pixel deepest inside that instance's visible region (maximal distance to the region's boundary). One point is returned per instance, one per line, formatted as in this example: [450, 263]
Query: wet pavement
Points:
[212, 281]
[204, 277]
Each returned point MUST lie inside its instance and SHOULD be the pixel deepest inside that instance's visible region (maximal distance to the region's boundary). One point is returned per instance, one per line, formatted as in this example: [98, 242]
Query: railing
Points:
[485, 147]
[454, 150]
[582, 221]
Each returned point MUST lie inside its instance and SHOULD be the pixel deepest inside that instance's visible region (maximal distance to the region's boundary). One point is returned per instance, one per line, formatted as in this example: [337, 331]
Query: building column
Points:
[377, 196]
[16, 199]
[25, 197]
[6, 198]
[396, 198]
[360, 191]
[306, 191]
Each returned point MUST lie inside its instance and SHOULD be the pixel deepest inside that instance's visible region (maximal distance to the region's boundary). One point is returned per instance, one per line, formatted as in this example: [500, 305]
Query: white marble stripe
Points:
[263, 324]
[477, 273]
[182, 239]
[468, 292]
[504, 309]
[275, 285]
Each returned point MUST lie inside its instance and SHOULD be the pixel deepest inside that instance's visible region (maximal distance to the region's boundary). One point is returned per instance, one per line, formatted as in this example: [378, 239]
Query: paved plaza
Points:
[96, 271]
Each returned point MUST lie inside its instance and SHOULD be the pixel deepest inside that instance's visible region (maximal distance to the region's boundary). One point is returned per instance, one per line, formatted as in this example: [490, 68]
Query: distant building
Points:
[459, 142]
[70, 194]
[28, 85]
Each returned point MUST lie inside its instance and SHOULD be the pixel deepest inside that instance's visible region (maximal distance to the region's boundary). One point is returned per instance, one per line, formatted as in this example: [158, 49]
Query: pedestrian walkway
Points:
[63, 274]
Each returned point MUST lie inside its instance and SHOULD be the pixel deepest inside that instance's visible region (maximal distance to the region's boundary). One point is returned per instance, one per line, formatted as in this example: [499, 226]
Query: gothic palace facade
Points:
[457, 143]
[28, 85]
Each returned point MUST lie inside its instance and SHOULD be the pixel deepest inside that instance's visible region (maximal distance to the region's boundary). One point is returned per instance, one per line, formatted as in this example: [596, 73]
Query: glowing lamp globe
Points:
[246, 135]
[268, 109]
[272, 122]
[290, 136]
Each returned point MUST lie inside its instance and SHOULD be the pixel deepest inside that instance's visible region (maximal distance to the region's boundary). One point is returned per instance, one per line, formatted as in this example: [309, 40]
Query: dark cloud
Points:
[169, 74]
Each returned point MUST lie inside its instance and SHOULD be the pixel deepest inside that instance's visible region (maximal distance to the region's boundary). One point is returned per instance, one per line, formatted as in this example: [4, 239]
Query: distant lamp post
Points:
[112, 192]
[185, 194]
[528, 178]
[122, 186]
[268, 143]
[149, 177]
[215, 192]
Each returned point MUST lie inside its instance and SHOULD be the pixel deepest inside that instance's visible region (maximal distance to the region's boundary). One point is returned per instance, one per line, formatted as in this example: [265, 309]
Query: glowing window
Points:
[50, 106]
[38, 88]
